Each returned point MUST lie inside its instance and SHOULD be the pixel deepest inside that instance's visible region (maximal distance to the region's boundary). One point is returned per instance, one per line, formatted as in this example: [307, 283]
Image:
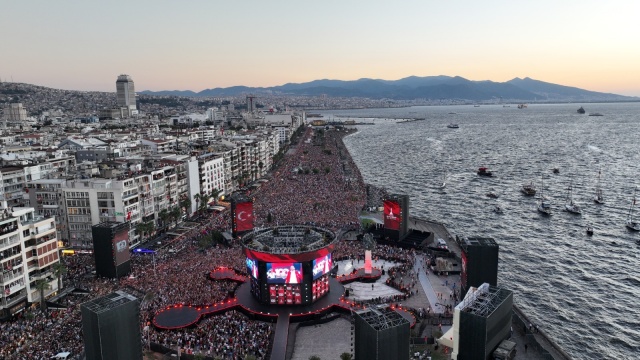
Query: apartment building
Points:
[28, 251]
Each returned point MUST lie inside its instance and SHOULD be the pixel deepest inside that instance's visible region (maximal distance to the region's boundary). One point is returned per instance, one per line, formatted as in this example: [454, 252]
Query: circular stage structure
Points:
[289, 265]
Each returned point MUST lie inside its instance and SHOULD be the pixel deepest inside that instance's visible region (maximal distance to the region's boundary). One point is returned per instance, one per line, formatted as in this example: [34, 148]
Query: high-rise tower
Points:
[126, 94]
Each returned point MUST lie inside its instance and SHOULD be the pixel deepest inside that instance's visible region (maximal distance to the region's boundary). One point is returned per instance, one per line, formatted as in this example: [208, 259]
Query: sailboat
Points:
[444, 179]
[632, 224]
[570, 206]
[598, 199]
[543, 207]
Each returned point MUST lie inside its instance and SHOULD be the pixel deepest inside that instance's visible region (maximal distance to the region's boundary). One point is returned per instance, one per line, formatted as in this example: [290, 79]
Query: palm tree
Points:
[214, 194]
[164, 216]
[145, 228]
[41, 286]
[186, 204]
[58, 270]
[176, 214]
[201, 202]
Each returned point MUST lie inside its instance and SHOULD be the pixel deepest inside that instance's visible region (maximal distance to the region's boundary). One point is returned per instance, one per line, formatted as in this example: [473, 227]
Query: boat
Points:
[528, 189]
[476, 105]
[483, 171]
[492, 195]
[569, 205]
[498, 210]
[632, 224]
[556, 171]
[543, 207]
[598, 199]
[453, 126]
[589, 230]
[595, 114]
[522, 106]
[581, 110]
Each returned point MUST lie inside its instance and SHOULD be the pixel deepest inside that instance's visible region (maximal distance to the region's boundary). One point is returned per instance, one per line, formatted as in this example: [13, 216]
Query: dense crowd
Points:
[230, 335]
[319, 185]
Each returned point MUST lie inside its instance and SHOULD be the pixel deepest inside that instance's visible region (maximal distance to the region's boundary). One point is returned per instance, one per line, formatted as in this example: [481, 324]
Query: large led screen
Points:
[244, 216]
[321, 266]
[252, 268]
[284, 273]
[392, 216]
[121, 247]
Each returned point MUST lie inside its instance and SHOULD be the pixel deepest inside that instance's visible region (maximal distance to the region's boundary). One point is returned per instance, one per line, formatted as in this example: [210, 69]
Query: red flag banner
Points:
[244, 216]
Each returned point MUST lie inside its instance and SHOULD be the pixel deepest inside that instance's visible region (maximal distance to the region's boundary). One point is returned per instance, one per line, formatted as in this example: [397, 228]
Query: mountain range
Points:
[414, 87]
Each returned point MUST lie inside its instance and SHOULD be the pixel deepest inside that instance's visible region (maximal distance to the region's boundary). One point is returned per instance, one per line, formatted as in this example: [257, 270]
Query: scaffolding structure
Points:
[381, 317]
[484, 301]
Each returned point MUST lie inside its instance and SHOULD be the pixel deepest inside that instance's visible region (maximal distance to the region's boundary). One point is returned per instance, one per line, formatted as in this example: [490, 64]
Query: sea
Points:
[584, 291]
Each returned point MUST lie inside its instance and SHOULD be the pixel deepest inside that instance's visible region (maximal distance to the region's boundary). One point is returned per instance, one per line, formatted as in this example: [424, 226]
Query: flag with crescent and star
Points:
[244, 216]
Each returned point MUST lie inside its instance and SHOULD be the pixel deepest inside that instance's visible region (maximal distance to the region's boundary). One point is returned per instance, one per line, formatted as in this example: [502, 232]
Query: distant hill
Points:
[414, 87]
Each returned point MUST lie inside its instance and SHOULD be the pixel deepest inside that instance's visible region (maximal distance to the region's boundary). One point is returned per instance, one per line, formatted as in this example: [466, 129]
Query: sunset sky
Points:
[200, 44]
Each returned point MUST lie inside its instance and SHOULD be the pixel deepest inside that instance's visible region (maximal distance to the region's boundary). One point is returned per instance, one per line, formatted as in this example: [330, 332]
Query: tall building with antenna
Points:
[126, 94]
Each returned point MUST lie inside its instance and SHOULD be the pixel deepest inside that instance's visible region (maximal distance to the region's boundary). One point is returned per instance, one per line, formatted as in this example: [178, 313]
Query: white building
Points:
[15, 112]
[28, 251]
[126, 94]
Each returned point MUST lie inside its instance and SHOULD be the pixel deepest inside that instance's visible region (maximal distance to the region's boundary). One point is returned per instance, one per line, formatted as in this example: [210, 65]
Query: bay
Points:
[581, 290]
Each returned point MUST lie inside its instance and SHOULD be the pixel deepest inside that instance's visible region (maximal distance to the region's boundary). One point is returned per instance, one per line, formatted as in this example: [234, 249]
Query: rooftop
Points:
[291, 239]
[109, 302]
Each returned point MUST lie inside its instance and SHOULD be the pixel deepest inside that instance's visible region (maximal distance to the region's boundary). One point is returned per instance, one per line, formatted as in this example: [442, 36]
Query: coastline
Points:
[538, 341]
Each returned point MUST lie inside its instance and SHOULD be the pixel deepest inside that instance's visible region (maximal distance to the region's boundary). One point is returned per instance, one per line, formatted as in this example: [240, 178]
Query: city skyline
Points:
[197, 45]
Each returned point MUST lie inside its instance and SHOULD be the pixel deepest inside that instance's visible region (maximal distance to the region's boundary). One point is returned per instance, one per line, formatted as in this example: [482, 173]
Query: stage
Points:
[181, 316]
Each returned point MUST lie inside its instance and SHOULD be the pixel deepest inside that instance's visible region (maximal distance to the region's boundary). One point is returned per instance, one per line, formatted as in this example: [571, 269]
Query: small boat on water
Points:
[522, 106]
[632, 224]
[498, 210]
[589, 230]
[581, 110]
[483, 171]
[598, 199]
[453, 126]
[528, 189]
[556, 171]
[543, 207]
[492, 195]
[570, 206]
[595, 114]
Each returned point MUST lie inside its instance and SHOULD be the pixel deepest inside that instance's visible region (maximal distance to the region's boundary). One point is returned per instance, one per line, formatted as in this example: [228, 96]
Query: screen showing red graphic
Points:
[463, 273]
[244, 216]
[284, 273]
[121, 247]
[392, 216]
[321, 266]
[252, 268]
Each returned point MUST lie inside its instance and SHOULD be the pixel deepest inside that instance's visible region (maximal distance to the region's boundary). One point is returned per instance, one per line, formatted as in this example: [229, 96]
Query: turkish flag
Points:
[244, 216]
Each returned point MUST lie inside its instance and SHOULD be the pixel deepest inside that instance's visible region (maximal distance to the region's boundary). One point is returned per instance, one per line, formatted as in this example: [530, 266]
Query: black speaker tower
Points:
[479, 262]
[111, 327]
[381, 334]
[111, 249]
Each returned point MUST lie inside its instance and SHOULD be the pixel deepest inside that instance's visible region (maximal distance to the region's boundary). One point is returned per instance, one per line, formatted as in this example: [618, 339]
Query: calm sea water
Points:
[582, 290]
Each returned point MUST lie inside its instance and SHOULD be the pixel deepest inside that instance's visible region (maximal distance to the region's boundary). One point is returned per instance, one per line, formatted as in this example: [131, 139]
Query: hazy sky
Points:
[199, 44]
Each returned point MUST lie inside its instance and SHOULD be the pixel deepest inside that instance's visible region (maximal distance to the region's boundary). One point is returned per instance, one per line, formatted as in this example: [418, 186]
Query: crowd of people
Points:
[230, 335]
[318, 185]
